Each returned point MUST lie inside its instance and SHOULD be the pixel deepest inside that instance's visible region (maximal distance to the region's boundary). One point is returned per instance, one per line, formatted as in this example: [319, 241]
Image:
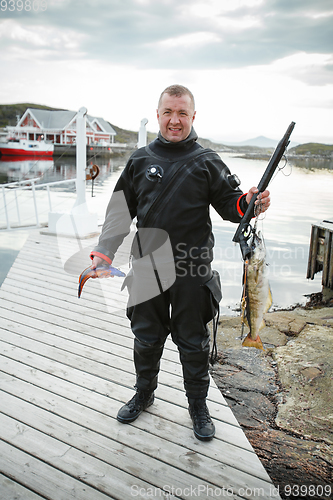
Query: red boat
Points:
[24, 147]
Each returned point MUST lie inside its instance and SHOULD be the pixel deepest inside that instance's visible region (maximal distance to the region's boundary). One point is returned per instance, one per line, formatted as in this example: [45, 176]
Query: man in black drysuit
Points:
[168, 186]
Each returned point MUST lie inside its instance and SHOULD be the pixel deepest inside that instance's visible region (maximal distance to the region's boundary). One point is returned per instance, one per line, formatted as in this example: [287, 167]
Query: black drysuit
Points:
[169, 187]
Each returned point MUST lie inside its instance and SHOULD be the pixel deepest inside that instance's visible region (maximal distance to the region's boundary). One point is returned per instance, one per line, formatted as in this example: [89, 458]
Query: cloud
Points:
[312, 69]
[243, 59]
[170, 34]
[25, 42]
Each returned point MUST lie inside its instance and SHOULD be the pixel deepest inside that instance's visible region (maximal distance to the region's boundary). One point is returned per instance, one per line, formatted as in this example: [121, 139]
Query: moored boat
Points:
[19, 147]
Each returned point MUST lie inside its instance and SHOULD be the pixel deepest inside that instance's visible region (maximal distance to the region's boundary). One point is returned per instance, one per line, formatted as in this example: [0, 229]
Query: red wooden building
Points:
[59, 127]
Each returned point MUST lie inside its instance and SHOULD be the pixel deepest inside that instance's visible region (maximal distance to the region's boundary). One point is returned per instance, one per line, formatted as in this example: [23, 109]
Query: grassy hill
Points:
[9, 112]
[313, 148]
[128, 136]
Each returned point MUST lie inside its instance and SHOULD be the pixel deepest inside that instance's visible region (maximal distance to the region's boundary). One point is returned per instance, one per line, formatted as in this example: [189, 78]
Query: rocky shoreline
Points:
[282, 397]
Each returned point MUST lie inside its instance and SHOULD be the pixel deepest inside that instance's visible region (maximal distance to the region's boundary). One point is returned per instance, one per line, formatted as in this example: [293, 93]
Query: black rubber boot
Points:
[203, 426]
[135, 406]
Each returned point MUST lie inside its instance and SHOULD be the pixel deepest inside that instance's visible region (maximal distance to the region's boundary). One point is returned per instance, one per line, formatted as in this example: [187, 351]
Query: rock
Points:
[321, 316]
[282, 396]
[305, 367]
[248, 415]
[230, 331]
[286, 322]
[291, 461]
[248, 370]
[272, 337]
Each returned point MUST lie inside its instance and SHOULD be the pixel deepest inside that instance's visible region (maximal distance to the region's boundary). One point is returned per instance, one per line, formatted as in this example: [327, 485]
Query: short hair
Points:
[178, 91]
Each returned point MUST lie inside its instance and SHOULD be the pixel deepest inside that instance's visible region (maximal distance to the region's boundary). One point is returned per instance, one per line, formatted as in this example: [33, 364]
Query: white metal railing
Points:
[28, 185]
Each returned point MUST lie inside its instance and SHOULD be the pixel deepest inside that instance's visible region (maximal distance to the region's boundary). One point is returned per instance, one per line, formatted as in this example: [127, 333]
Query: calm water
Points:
[48, 170]
[300, 199]
[51, 169]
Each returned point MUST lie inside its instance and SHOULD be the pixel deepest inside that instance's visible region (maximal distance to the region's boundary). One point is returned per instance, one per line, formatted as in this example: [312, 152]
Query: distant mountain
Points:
[260, 142]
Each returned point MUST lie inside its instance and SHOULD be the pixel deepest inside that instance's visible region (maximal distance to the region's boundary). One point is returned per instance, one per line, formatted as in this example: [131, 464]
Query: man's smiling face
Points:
[175, 116]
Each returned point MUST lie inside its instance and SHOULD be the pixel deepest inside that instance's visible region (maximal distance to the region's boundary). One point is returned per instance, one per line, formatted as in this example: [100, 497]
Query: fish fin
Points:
[244, 318]
[81, 284]
[262, 325]
[249, 342]
[84, 276]
[269, 300]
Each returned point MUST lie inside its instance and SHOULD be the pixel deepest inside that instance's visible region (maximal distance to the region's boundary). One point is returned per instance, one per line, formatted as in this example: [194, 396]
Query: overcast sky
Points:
[253, 65]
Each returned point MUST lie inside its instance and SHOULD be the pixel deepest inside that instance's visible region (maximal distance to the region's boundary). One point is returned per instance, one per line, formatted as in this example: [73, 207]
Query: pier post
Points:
[79, 223]
[321, 255]
[81, 158]
[142, 136]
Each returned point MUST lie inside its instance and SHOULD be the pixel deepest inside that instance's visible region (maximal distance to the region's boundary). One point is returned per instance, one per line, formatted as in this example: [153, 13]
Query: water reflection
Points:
[312, 163]
[20, 168]
[17, 168]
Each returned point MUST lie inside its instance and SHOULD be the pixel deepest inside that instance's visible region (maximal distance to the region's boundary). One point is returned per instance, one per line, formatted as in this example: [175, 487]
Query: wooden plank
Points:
[75, 257]
[171, 363]
[326, 255]
[64, 376]
[320, 253]
[330, 273]
[326, 224]
[84, 357]
[170, 466]
[155, 422]
[40, 477]
[11, 490]
[54, 316]
[91, 472]
[80, 371]
[108, 341]
[313, 253]
[85, 306]
[53, 290]
[101, 289]
[94, 337]
[212, 471]
[110, 427]
[108, 397]
[53, 298]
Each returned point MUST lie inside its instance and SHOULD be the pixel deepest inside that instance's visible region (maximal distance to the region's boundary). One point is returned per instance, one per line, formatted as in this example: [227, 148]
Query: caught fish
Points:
[257, 297]
[99, 272]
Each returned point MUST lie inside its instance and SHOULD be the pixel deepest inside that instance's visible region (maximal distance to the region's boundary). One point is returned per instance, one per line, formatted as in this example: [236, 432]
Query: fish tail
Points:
[81, 283]
[250, 342]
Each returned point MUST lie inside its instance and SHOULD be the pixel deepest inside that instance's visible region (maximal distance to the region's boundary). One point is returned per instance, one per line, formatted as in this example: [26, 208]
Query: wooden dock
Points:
[66, 368]
[321, 252]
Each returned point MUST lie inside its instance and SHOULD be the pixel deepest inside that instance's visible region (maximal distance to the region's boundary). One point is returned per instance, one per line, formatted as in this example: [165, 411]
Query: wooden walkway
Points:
[66, 368]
